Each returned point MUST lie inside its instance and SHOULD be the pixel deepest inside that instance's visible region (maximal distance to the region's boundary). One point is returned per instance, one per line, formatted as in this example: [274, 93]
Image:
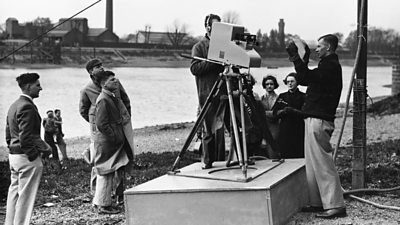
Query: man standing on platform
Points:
[25, 145]
[206, 74]
[322, 98]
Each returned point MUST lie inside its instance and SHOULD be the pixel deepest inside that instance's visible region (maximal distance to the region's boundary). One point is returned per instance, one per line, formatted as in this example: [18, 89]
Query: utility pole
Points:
[359, 102]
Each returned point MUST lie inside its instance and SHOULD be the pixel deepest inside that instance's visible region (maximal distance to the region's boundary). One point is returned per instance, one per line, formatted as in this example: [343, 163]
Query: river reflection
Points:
[158, 95]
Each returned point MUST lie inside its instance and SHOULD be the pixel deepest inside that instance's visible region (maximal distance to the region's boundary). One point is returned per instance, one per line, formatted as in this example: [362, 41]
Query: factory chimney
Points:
[109, 15]
[281, 33]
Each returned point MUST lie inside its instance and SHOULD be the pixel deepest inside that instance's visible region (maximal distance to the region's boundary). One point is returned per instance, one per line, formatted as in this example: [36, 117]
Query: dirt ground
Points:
[157, 148]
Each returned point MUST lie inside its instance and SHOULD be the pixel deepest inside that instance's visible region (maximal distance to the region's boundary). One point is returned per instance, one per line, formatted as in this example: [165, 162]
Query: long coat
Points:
[112, 143]
[291, 126]
[87, 107]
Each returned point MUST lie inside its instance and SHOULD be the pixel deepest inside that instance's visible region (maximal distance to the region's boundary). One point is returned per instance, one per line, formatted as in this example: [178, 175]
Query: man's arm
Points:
[84, 105]
[199, 67]
[24, 120]
[8, 133]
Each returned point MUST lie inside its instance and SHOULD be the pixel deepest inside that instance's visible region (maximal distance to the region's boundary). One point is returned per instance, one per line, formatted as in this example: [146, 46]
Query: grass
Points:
[156, 149]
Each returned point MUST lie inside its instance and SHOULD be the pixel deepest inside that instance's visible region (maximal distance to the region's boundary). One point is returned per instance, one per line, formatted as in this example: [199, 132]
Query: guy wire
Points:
[44, 33]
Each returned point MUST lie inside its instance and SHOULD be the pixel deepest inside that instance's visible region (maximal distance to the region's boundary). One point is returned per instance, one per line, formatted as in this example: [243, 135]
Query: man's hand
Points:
[292, 50]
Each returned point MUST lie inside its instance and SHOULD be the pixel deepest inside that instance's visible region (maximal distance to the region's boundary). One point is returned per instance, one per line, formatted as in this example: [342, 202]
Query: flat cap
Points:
[92, 63]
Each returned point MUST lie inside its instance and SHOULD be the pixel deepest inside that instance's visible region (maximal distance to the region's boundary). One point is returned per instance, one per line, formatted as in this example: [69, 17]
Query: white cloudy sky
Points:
[307, 18]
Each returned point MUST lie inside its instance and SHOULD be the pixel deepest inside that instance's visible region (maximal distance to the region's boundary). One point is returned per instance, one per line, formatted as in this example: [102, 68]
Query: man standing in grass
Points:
[87, 108]
[60, 135]
[25, 145]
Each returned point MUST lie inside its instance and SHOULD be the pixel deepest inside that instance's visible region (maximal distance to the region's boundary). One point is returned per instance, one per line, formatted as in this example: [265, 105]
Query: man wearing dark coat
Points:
[206, 75]
[324, 86]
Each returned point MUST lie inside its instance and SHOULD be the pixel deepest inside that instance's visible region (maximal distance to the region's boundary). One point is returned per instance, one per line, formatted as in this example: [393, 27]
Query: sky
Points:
[307, 18]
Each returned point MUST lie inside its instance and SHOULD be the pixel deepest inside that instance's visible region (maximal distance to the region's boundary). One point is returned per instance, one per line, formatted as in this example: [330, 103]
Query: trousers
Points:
[322, 177]
[25, 179]
[106, 184]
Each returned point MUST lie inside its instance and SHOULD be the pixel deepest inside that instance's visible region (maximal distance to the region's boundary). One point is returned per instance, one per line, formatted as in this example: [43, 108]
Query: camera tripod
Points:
[227, 76]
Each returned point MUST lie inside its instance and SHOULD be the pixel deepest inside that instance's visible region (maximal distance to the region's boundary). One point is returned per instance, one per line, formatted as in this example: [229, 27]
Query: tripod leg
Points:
[241, 100]
[213, 93]
[233, 117]
[232, 148]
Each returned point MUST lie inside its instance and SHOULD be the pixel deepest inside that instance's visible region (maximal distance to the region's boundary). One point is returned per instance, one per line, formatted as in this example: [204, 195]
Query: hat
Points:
[49, 111]
[92, 63]
[27, 78]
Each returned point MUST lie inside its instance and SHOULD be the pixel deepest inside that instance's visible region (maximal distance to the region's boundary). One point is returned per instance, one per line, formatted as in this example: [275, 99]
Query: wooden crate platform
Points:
[201, 197]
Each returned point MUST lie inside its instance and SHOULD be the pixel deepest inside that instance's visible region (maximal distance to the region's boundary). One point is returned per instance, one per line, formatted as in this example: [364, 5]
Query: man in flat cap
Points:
[25, 148]
[87, 105]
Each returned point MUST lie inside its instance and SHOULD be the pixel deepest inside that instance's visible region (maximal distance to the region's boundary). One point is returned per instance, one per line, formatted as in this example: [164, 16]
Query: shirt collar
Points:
[29, 97]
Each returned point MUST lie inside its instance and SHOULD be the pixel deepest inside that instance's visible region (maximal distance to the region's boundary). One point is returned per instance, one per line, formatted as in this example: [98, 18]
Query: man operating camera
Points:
[206, 74]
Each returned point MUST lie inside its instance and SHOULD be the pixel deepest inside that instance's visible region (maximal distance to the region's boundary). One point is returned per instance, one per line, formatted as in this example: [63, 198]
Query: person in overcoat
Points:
[87, 105]
[291, 124]
[268, 100]
[110, 143]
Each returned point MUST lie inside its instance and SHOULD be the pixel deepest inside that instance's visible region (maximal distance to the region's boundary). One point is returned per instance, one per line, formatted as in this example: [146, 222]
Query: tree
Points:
[231, 17]
[274, 40]
[177, 33]
[42, 22]
[259, 37]
[380, 41]
[339, 36]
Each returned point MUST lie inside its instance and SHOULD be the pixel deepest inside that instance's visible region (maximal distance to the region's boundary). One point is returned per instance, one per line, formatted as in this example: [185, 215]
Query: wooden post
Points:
[396, 78]
[359, 101]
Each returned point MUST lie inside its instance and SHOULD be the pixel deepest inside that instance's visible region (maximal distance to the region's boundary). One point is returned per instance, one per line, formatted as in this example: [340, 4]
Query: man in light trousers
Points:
[25, 148]
[322, 98]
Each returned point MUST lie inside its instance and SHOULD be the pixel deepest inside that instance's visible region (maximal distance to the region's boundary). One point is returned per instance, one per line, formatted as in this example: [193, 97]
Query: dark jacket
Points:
[23, 127]
[291, 126]
[206, 73]
[324, 87]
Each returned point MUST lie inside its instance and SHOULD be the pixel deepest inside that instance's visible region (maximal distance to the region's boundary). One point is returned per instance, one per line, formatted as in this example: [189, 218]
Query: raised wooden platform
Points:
[200, 197]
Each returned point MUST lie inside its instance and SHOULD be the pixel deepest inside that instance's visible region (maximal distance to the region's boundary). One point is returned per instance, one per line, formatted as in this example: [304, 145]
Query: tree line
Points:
[380, 41]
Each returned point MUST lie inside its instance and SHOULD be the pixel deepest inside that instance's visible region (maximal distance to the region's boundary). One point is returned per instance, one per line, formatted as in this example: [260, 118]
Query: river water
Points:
[158, 95]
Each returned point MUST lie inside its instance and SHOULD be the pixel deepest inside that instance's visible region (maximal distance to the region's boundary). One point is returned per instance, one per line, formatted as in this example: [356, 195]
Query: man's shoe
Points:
[332, 213]
[311, 208]
[107, 210]
[207, 166]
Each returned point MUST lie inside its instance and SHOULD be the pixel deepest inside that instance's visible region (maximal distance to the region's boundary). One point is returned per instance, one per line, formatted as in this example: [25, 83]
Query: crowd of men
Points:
[105, 105]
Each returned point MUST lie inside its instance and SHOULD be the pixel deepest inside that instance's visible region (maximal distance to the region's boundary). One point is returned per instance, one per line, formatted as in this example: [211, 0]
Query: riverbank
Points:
[69, 200]
[174, 62]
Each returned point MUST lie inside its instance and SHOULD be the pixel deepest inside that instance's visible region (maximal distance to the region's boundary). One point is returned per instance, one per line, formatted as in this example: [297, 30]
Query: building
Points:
[15, 30]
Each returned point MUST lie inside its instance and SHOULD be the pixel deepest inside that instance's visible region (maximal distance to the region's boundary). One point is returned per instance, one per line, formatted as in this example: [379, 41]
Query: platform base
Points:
[270, 198]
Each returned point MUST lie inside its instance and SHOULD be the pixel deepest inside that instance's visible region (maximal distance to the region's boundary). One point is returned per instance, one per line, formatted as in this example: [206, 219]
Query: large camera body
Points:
[231, 45]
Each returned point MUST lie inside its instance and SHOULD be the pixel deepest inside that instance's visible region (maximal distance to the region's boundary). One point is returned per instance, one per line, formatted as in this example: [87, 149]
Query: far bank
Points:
[171, 62]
